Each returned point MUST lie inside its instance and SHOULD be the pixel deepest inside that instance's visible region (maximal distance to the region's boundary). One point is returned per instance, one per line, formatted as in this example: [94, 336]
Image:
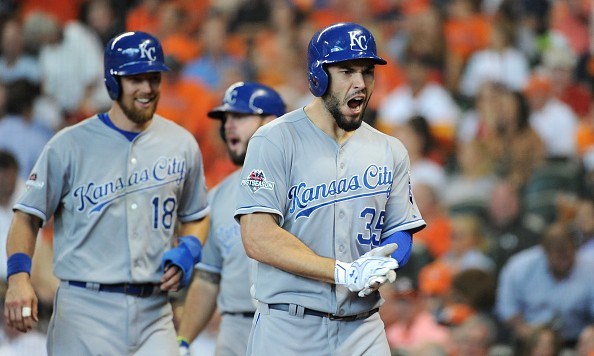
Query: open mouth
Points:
[355, 104]
[144, 101]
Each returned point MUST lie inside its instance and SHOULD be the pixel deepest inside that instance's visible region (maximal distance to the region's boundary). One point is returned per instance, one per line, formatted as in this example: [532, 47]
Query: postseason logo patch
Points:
[33, 183]
[256, 180]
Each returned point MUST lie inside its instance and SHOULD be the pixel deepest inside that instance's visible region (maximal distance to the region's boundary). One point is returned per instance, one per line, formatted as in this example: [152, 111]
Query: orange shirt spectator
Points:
[63, 10]
[187, 103]
[143, 17]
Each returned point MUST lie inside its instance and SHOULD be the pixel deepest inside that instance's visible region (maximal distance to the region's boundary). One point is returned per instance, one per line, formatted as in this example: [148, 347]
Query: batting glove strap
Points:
[340, 272]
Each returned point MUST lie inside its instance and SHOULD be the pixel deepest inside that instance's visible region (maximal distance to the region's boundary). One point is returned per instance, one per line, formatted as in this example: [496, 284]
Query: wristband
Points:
[340, 272]
[183, 342]
[18, 262]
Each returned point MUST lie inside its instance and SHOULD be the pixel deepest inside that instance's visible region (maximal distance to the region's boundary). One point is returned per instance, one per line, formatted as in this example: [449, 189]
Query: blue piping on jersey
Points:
[307, 212]
[406, 223]
[130, 136]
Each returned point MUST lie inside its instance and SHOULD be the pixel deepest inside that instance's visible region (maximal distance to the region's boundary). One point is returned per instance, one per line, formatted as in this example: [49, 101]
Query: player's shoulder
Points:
[379, 137]
[74, 131]
[163, 123]
[285, 123]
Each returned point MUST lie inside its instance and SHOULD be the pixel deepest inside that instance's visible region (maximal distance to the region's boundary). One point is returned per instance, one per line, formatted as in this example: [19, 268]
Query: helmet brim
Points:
[133, 68]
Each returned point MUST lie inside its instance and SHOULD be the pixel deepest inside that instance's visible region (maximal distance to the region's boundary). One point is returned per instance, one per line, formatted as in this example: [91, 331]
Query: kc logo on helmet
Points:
[358, 41]
[147, 52]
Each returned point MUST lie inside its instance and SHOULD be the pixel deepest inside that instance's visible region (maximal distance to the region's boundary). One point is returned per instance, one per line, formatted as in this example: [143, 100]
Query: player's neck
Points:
[324, 120]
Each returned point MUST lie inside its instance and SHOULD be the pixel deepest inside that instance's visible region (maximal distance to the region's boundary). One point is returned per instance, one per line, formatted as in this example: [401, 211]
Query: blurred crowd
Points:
[492, 98]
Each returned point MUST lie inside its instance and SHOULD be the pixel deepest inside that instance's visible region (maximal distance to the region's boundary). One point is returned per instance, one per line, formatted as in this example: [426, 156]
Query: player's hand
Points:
[357, 274]
[374, 283]
[19, 302]
[171, 279]
[383, 251]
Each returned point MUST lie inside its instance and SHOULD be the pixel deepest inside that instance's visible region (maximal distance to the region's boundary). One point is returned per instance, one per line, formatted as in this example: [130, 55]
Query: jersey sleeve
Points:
[46, 183]
[263, 183]
[212, 260]
[194, 202]
[402, 212]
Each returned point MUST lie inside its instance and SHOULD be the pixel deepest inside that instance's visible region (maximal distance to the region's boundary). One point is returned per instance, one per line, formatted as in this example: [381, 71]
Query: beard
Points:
[237, 158]
[137, 116]
[332, 104]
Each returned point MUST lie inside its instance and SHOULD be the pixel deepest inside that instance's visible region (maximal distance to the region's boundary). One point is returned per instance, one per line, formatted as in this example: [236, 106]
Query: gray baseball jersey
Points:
[116, 202]
[224, 253]
[340, 200]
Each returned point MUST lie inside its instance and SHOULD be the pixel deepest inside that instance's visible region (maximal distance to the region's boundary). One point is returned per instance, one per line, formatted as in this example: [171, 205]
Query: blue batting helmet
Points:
[249, 98]
[131, 53]
[340, 42]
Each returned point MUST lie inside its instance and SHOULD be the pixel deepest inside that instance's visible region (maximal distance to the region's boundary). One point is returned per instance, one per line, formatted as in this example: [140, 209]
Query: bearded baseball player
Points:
[221, 279]
[120, 186]
[325, 207]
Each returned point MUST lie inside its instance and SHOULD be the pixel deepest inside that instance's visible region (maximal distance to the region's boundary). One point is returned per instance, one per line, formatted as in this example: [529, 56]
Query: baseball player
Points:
[221, 277]
[325, 207]
[119, 185]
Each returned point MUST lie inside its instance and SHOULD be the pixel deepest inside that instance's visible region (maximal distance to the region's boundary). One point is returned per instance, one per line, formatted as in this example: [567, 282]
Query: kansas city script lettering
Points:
[165, 169]
[373, 177]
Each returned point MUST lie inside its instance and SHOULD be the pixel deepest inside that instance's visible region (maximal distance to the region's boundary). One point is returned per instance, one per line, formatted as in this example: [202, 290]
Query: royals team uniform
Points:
[116, 203]
[340, 200]
[224, 255]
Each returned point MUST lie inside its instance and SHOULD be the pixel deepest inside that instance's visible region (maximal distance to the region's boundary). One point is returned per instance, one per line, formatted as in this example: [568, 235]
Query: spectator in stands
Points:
[543, 341]
[560, 62]
[216, 67]
[420, 95]
[500, 120]
[15, 63]
[435, 238]
[549, 284]
[475, 336]
[412, 324]
[71, 60]
[585, 345]
[19, 134]
[507, 230]
[426, 162]
[584, 225]
[500, 62]
[554, 121]
[469, 187]
[100, 16]
[468, 244]
[466, 31]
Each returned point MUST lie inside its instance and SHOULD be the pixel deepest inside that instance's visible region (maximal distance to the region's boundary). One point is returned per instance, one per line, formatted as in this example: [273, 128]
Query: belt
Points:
[365, 315]
[244, 314]
[137, 290]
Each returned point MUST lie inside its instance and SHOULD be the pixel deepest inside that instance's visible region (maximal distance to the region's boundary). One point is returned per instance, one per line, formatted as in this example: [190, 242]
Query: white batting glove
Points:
[374, 283]
[355, 275]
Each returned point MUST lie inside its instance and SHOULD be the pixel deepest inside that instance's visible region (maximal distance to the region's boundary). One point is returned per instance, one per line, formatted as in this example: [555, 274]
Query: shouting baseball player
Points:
[325, 207]
[221, 277]
[120, 185]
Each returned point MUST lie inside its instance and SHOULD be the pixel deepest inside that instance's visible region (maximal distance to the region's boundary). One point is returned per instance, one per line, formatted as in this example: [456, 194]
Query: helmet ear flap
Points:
[112, 84]
[318, 80]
